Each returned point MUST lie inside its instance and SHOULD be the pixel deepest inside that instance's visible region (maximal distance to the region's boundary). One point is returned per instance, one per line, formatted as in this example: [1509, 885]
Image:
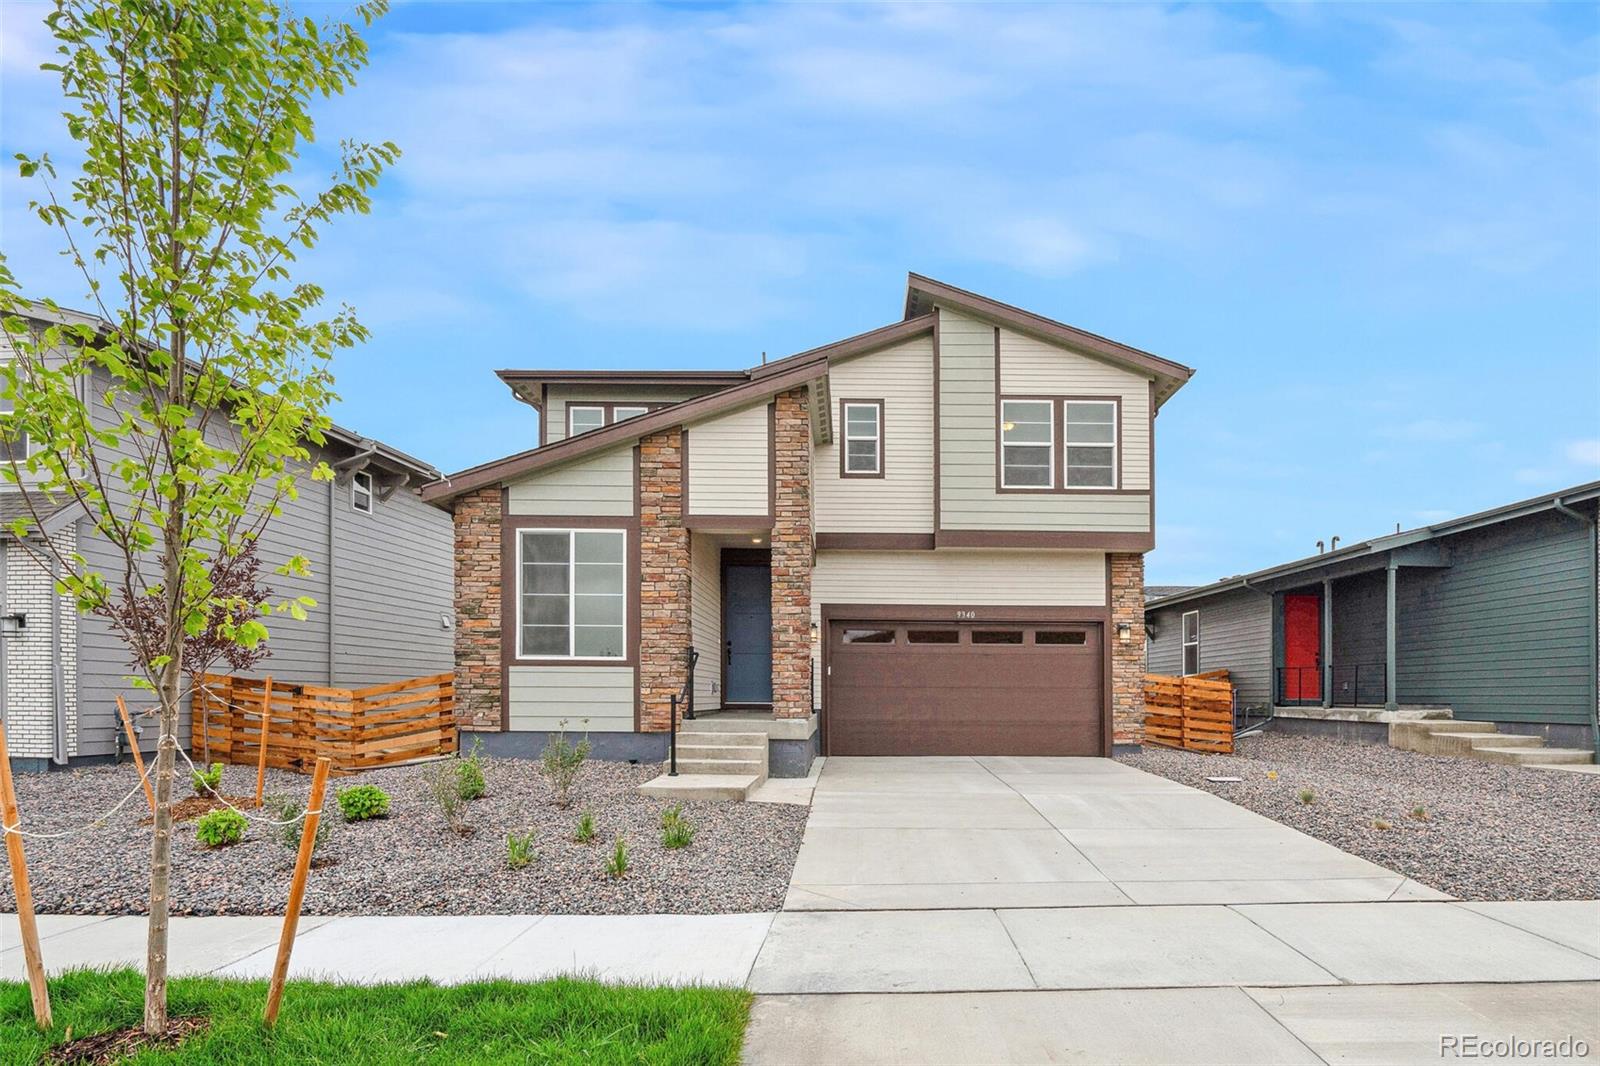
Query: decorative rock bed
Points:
[1492, 832]
[411, 863]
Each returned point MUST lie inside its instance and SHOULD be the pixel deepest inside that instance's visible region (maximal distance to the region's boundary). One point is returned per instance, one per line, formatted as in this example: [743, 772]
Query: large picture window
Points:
[1191, 643]
[1027, 444]
[1090, 437]
[572, 594]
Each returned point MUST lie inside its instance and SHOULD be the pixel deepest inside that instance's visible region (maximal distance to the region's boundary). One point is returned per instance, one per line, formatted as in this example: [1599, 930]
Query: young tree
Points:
[179, 417]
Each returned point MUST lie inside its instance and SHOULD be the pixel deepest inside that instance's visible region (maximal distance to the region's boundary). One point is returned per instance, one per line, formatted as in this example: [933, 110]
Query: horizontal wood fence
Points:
[1194, 713]
[357, 729]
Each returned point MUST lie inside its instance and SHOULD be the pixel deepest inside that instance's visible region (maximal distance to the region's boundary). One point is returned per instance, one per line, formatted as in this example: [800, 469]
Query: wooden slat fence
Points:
[357, 729]
[1194, 713]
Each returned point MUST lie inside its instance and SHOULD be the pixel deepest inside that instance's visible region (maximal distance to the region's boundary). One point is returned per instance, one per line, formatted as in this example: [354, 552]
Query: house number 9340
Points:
[966, 616]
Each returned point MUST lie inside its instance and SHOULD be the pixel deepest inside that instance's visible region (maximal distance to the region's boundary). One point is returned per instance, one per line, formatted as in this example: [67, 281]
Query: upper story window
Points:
[571, 594]
[14, 445]
[583, 418]
[621, 412]
[1191, 643]
[1091, 442]
[862, 455]
[361, 491]
[1027, 444]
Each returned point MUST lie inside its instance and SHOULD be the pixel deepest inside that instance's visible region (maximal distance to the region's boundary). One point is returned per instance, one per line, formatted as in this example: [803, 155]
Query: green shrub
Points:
[1379, 823]
[444, 787]
[519, 849]
[1307, 797]
[672, 814]
[585, 828]
[1420, 813]
[204, 781]
[678, 834]
[362, 802]
[220, 828]
[617, 864]
[289, 810]
[561, 761]
[469, 773]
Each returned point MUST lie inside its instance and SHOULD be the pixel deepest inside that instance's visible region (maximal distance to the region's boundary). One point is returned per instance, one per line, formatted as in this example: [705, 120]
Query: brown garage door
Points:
[914, 688]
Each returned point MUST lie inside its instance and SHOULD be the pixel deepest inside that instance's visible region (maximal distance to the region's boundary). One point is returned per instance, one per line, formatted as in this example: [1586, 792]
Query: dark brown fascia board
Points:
[562, 451]
[626, 377]
[1046, 328]
[860, 344]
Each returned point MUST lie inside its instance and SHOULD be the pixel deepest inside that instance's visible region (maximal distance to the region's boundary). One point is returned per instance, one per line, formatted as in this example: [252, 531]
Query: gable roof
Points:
[1377, 545]
[527, 385]
[923, 293]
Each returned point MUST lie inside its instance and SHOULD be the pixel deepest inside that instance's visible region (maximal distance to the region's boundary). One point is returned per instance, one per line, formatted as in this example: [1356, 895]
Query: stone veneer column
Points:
[663, 578]
[1127, 657]
[792, 556]
[477, 521]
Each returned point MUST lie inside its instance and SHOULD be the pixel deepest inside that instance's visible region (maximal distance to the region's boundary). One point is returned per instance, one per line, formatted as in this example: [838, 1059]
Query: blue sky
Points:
[1374, 230]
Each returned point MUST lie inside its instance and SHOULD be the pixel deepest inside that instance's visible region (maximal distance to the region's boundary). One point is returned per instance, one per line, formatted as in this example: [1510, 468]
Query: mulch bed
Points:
[103, 1049]
[410, 862]
[1489, 832]
[192, 807]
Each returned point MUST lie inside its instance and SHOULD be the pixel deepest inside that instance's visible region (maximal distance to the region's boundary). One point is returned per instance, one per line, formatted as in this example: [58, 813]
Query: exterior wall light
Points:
[12, 624]
[1124, 632]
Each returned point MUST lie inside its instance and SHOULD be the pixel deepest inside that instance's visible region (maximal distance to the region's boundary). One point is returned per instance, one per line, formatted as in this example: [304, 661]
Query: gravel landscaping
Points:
[1491, 832]
[411, 862]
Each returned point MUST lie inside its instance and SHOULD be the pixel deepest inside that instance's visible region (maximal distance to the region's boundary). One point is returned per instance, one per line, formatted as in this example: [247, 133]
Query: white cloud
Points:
[1583, 452]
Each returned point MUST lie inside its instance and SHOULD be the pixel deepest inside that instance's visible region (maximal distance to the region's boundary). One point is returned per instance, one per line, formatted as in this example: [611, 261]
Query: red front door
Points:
[1302, 647]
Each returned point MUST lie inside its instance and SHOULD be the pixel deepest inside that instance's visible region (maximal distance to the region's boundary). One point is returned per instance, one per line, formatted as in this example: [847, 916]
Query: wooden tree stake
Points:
[261, 761]
[19, 882]
[297, 892]
[138, 759]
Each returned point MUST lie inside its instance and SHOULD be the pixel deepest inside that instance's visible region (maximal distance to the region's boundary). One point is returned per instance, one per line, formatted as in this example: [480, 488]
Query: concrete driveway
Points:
[1077, 910]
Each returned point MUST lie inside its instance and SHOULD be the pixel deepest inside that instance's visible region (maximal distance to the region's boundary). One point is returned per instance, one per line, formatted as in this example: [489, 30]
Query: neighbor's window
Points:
[1027, 444]
[13, 441]
[572, 594]
[1191, 643]
[582, 419]
[1090, 437]
[361, 491]
[863, 438]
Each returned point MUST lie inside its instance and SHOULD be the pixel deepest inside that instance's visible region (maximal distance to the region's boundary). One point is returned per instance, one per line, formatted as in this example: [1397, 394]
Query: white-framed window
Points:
[1191, 642]
[863, 438]
[1089, 434]
[361, 491]
[621, 412]
[1027, 444]
[14, 444]
[572, 594]
[582, 418]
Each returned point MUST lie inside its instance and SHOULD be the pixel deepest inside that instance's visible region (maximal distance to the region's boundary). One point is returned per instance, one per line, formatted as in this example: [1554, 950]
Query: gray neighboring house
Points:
[1492, 615]
[381, 573]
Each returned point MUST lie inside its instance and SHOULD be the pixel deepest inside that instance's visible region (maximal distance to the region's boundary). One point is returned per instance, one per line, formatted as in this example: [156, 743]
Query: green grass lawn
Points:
[491, 1022]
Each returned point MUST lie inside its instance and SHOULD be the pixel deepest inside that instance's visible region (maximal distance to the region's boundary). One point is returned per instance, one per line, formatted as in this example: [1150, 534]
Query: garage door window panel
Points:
[1061, 637]
[868, 636]
[933, 636]
[997, 636]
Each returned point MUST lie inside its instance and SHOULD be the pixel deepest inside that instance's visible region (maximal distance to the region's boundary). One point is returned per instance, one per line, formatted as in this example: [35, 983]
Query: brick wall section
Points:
[478, 697]
[791, 560]
[664, 578]
[1127, 657]
[29, 658]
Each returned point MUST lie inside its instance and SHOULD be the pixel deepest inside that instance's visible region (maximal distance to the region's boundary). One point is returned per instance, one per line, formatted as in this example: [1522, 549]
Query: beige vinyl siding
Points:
[595, 485]
[902, 500]
[956, 577]
[592, 699]
[729, 469]
[561, 395]
[705, 619]
[967, 391]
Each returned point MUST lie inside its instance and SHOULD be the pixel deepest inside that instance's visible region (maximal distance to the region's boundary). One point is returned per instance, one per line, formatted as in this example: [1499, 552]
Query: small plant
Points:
[584, 832]
[1420, 813]
[519, 849]
[469, 773]
[617, 864]
[1379, 823]
[288, 811]
[677, 834]
[206, 781]
[444, 787]
[1272, 775]
[561, 761]
[219, 828]
[363, 802]
[672, 814]
[1307, 797]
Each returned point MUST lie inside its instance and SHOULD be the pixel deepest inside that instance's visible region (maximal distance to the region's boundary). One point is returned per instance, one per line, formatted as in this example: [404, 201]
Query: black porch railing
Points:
[1360, 684]
[685, 698]
[1299, 684]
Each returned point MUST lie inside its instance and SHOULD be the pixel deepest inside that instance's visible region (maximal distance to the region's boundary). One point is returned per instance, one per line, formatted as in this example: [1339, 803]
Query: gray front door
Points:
[747, 636]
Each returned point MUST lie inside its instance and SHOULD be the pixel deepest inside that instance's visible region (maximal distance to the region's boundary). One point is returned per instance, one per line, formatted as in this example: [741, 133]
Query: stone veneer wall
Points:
[664, 629]
[30, 717]
[1127, 656]
[479, 701]
[792, 557]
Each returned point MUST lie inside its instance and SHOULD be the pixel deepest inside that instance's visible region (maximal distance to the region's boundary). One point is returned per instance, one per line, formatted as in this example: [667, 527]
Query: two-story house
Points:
[380, 575]
[923, 540]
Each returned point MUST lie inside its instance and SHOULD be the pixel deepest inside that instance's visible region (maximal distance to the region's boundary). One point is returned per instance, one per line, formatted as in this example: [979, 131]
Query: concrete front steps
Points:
[1482, 741]
[714, 763]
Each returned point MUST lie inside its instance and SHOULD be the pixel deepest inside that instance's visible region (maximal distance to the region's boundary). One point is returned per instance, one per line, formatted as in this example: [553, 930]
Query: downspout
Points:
[1594, 618]
[58, 695]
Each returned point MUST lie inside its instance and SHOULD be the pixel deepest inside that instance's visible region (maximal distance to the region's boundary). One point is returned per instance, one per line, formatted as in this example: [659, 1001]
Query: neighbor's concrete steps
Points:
[714, 762]
[1482, 741]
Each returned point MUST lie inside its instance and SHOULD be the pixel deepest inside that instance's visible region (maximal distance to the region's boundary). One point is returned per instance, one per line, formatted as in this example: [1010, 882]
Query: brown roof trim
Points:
[860, 344]
[618, 433]
[1040, 538]
[627, 377]
[1047, 328]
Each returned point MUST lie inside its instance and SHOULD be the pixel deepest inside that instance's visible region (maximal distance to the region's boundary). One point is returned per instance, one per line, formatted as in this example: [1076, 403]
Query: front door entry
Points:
[747, 630]
[1302, 648]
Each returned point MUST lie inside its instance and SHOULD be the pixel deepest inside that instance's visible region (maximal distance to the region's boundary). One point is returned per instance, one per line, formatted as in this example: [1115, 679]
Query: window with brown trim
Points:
[588, 417]
[861, 438]
[1058, 444]
[1089, 435]
[1027, 444]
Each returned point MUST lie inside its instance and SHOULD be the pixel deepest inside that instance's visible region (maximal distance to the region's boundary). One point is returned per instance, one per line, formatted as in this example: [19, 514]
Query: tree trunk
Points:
[155, 988]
